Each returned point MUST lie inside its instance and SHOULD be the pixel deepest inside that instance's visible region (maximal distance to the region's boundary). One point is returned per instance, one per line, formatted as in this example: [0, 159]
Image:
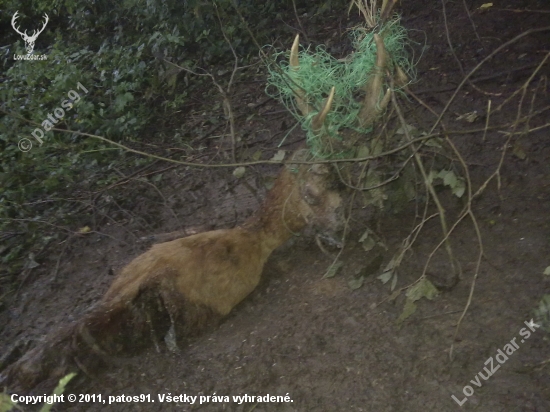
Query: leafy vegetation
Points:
[116, 52]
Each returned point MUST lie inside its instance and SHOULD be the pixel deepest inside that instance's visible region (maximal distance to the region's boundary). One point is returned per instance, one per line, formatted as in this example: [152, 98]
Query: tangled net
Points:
[320, 71]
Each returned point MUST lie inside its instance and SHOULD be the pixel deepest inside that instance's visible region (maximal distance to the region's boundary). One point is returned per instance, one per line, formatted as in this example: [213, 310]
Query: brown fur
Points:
[189, 283]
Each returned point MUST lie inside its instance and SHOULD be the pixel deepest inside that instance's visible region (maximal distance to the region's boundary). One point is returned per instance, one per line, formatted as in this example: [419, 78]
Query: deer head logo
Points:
[29, 40]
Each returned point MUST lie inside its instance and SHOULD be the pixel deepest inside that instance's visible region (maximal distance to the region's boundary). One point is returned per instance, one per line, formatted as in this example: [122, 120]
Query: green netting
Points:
[319, 71]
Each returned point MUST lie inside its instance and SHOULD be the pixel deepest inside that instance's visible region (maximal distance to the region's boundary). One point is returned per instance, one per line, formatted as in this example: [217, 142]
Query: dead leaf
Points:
[518, 151]
[469, 117]
[279, 156]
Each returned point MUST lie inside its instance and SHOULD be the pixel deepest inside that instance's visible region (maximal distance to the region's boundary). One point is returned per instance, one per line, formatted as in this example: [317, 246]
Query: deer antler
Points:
[13, 19]
[298, 91]
[29, 40]
[371, 108]
[35, 32]
[301, 99]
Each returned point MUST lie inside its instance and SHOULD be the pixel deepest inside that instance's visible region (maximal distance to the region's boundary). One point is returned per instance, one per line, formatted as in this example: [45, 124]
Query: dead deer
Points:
[188, 283]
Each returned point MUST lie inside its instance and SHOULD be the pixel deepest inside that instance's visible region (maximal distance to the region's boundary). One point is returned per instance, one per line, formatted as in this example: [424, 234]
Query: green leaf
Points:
[459, 188]
[546, 271]
[257, 155]
[422, 289]
[368, 244]
[59, 389]
[333, 269]
[450, 179]
[239, 172]
[356, 283]
[434, 142]
[386, 276]
[404, 129]
[121, 101]
[367, 240]
[363, 151]
[393, 283]
[408, 310]
[6, 403]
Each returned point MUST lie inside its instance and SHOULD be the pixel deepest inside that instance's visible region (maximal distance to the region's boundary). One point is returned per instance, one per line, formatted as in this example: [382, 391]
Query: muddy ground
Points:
[328, 347]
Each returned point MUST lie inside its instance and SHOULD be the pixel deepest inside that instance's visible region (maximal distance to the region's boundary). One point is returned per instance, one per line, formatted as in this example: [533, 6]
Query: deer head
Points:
[29, 40]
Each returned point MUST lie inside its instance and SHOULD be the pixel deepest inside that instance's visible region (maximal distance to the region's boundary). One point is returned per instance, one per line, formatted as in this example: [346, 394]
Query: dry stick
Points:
[394, 177]
[405, 246]
[226, 101]
[487, 119]
[467, 212]
[165, 201]
[56, 270]
[470, 18]
[442, 219]
[478, 79]
[343, 235]
[539, 66]
[258, 162]
[448, 35]
[534, 129]
[367, 9]
[475, 69]
[523, 10]
[470, 213]
[471, 197]
[299, 21]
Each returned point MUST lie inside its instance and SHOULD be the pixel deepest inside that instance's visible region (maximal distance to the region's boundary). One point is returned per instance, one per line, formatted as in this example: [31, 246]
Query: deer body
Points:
[189, 283]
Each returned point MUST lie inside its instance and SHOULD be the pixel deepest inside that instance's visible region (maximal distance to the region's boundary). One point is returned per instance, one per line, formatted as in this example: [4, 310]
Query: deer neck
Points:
[279, 217]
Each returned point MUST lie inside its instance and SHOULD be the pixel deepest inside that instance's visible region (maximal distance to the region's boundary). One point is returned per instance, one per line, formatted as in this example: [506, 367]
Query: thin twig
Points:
[481, 63]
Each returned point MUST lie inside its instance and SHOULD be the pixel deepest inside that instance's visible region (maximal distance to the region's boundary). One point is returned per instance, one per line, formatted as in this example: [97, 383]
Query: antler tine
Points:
[319, 119]
[400, 77]
[13, 22]
[371, 106]
[35, 33]
[299, 93]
